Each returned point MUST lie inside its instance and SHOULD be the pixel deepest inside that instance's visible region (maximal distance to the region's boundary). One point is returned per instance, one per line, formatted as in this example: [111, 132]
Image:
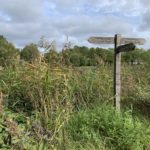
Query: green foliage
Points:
[136, 83]
[57, 107]
[49, 97]
[117, 131]
[146, 56]
[75, 59]
[138, 56]
[8, 53]
[18, 135]
[42, 94]
[76, 56]
[30, 53]
[15, 90]
[88, 86]
[51, 57]
[84, 56]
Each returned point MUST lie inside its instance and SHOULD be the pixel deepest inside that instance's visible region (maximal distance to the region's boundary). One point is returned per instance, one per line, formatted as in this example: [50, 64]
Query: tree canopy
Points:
[75, 56]
[30, 53]
[8, 52]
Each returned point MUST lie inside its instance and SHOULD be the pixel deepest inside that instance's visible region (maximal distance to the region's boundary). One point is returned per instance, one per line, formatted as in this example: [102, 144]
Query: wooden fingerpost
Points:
[121, 45]
[117, 73]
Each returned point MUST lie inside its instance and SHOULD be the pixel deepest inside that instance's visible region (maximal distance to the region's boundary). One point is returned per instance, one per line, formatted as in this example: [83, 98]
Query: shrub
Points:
[117, 131]
[30, 53]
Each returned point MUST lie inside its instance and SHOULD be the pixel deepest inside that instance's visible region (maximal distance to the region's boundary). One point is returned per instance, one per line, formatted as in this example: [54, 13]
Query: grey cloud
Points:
[85, 25]
[145, 16]
[17, 33]
[145, 24]
[25, 21]
[145, 3]
[22, 11]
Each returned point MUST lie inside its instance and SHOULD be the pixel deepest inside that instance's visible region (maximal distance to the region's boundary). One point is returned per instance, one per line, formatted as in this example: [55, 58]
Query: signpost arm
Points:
[117, 73]
[121, 45]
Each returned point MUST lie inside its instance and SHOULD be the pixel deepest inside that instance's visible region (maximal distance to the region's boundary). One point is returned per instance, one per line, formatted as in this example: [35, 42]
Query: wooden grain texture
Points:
[117, 73]
[136, 41]
[101, 40]
[110, 40]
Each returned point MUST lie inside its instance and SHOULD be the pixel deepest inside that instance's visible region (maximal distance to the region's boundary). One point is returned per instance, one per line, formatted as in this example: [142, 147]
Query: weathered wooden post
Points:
[117, 72]
[120, 45]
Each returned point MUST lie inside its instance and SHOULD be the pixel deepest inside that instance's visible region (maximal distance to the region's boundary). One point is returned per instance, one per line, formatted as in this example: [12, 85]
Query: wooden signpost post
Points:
[120, 45]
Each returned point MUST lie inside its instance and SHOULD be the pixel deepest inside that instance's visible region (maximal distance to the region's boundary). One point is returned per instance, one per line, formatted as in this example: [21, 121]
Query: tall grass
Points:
[117, 131]
[60, 105]
[136, 88]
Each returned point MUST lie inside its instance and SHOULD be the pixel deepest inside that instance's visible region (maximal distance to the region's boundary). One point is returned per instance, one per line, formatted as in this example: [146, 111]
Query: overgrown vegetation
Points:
[50, 104]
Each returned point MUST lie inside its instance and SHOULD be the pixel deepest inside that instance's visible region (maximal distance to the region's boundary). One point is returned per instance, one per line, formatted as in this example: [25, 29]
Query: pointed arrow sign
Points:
[101, 40]
[121, 45]
[125, 48]
[110, 40]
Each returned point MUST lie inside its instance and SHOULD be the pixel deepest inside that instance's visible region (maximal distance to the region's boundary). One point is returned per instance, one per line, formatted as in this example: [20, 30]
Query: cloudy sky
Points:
[25, 21]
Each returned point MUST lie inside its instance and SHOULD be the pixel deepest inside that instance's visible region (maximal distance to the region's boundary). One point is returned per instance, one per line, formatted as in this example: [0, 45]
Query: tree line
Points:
[74, 56]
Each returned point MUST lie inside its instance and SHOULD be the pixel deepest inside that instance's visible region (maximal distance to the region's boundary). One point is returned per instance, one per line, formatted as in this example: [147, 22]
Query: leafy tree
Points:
[65, 57]
[105, 55]
[8, 52]
[51, 57]
[50, 54]
[30, 53]
[75, 59]
[109, 58]
[132, 56]
[146, 56]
